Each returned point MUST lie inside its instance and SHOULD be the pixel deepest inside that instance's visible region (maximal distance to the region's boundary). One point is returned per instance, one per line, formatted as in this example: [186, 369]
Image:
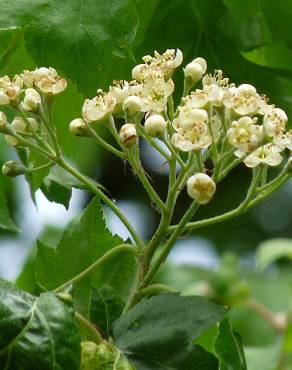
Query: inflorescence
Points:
[215, 119]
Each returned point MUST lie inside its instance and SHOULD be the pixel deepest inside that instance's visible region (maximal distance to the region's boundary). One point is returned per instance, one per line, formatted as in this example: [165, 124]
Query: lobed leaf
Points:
[81, 245]
[84, 40]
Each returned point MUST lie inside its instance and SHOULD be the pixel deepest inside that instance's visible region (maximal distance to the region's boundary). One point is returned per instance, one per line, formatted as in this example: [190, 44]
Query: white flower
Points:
[201, 188]
[192, 130]
[196, 99]
[284, 140]
[154, 92]
[244, 99]
[155, 125]
[9, 90]
[166, 62]
[78, 127]
[244, 134]
[120, 90]
[215, 94]
[216, 79]
[201, 98]
[45, 79]
[275, 121]
[267, 154]
[31, 100]
[128, 135]
[99, 108]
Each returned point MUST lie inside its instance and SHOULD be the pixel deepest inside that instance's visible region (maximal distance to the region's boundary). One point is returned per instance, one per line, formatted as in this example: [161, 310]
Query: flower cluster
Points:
[23, 94]
[215, 119]
[217, 116]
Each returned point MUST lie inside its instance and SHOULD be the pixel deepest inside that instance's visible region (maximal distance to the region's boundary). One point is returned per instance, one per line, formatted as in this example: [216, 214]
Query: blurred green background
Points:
[251, 41]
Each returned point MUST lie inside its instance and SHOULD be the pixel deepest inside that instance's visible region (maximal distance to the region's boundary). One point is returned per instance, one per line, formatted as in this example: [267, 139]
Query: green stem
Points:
[139, 171]
[112, 127]
[210, 127]
[91, 186]
[173, 151]
[97, 263]
[170, 107]
[39, 140]
[167, 247]
[104, 144]
[47, 123]
[228, 168]
[34, 146]
[166, 216]
[35, 169]
[153, 143]
[155, 289]
[89, 326]
[200, 162]
[243, 207]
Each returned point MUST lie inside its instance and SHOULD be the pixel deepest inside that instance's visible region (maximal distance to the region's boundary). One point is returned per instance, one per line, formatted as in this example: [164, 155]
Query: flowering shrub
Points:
[126, 320]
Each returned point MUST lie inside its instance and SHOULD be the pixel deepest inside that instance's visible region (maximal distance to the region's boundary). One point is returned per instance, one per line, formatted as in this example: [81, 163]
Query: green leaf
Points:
[37, 332]
[84, 40]
[106, 307]
[228, 347]
[81, 245]
[271, 250]
[26, 278]
[276, 55]
[158, 333]
[250, 22]
[35, 179]
[57, 186]
[6, 223]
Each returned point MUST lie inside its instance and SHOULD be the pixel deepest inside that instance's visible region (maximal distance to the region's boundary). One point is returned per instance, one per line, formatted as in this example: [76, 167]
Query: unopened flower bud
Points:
[136, 72]
[19, 124]
[31, 100]
[201, 188]
[132, 106]
[155, 125]
[78, 127]
[128, 135]
[4, 99]
[12, 169]
[4, 128]
[193, 73]
[202, 63]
